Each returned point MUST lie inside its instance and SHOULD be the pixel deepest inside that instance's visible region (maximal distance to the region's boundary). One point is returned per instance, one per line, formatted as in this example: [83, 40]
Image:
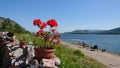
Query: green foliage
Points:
[75, 59]
[78, 53]
[37, 41]
[10, 26]
[6, 26]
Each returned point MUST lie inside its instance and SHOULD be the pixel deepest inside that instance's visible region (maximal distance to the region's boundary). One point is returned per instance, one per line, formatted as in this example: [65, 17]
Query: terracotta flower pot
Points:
[41, 52]
[23, 43]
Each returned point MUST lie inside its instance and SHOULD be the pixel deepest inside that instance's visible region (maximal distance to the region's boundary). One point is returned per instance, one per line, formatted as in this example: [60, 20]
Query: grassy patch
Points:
[76, 59]
[37, 41]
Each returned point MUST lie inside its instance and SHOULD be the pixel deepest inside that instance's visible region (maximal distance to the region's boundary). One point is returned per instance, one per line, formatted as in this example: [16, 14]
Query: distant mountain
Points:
[84, 31]
[112, 31]
[116, 30]
[7, 24]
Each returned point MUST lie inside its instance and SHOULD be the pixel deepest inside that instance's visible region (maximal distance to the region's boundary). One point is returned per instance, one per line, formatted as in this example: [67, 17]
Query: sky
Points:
[70, 14]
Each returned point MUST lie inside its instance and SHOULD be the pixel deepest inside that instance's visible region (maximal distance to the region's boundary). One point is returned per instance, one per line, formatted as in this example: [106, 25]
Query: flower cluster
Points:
[52, 36]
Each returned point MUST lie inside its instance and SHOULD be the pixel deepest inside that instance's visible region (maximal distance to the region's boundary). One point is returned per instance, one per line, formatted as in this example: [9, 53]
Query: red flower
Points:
[53, 30]
[56, 36]
[37, 33]
[52, 23]
[37, 22]
[41, 32]
[47, 38]
[43, 25]
[58, 42]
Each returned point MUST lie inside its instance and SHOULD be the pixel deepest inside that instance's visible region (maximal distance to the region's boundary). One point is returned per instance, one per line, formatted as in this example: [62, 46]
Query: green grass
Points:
[69, 58]
[75, 59]
[37, 41]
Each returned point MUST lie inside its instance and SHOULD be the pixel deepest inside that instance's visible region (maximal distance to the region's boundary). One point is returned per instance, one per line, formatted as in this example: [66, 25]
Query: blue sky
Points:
[70, 14]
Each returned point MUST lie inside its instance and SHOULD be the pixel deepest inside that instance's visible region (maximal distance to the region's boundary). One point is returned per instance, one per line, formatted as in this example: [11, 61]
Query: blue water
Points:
[109, 42]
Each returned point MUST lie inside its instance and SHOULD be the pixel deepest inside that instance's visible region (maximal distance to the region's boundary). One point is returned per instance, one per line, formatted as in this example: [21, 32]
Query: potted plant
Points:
[50, 37]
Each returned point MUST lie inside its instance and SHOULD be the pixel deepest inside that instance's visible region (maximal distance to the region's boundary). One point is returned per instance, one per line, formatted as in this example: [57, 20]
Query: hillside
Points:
[84, 31]
[116, 30]
[7, 24]
[111, 31]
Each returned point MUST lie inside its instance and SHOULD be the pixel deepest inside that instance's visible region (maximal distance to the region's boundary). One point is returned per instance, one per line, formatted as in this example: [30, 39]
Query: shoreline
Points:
[109, 59]
[100, 49]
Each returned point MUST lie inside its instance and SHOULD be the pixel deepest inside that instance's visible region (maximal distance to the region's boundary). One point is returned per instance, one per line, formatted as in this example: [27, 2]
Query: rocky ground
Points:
[17, 54]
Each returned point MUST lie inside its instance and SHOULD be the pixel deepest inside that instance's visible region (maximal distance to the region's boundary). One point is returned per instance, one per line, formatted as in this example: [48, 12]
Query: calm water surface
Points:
[109, 42]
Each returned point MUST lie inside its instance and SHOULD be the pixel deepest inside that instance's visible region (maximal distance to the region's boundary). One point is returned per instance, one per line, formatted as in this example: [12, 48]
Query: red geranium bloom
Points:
[43, 25]
[58, 42]
[50, 37]
[52, 23]
[56, 24]
[37, 33]
[53, 30]
[41, 32]
[47, 38]
[56, 36]
[37, 22]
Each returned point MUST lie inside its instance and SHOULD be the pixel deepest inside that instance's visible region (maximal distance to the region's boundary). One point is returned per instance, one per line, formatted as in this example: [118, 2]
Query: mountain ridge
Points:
[111, 31]
[9, 25]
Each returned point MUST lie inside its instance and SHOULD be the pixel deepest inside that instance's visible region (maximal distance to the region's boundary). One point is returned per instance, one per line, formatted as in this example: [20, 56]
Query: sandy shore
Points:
[106, 58]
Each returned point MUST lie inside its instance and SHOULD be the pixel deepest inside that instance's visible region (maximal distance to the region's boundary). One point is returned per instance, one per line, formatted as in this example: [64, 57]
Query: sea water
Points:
[109, 42]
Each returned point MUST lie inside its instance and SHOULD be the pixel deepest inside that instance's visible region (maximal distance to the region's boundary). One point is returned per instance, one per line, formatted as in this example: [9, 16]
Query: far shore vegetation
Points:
[115, 31]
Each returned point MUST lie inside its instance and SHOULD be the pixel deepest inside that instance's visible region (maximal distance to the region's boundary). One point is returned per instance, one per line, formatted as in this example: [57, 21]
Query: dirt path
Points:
[108, 59]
